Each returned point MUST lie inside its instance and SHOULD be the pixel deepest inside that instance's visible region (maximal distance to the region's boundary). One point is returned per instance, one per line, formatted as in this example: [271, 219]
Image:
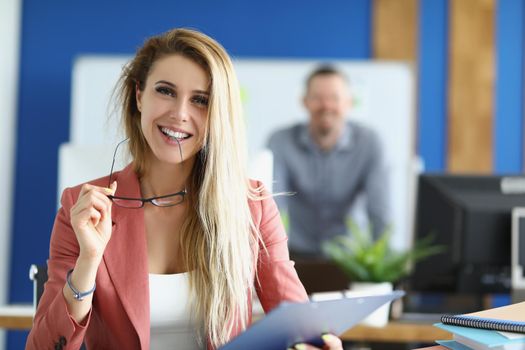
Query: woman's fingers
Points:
[113, 187]
[304, 346]
[91, 219]
[94, 216]
[93, 207]
[331, 342]
[95, 192]
[92, 199]
[88, 189]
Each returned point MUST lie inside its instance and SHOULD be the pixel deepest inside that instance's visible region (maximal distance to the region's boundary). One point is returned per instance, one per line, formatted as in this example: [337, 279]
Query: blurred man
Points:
[328, 163]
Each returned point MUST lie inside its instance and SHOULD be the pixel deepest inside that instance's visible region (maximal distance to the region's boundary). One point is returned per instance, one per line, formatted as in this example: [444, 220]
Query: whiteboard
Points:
[272, 90]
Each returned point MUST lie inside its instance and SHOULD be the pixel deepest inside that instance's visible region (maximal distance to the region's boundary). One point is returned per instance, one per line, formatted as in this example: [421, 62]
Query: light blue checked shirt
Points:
[326, 184]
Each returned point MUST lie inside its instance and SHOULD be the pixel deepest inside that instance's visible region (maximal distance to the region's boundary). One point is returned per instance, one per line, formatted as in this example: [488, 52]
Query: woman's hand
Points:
[91, 220]
[331, 342]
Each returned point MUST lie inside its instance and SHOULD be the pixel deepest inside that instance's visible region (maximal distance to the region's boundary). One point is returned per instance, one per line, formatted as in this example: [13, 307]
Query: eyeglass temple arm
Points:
[113, 161]
[115, 155]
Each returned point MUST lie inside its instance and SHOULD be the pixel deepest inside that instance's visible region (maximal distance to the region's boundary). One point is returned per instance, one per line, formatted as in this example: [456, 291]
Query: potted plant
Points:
[373, 266]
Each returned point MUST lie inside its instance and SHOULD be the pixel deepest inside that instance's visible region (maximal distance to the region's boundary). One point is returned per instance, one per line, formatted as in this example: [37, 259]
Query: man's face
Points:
[328, 101]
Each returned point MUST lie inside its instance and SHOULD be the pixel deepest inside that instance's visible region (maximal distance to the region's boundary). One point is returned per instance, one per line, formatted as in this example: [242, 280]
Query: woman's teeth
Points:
[174, 134]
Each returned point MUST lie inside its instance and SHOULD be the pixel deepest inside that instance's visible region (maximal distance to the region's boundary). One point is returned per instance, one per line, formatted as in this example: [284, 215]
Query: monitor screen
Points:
[471, 216]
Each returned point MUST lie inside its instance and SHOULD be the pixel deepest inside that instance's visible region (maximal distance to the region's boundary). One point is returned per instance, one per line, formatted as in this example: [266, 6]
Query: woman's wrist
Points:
[84, 273]
[88, 260]
[77, 294]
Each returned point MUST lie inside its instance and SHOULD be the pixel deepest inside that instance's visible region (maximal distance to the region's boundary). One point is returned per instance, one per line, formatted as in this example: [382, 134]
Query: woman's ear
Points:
[138, 96]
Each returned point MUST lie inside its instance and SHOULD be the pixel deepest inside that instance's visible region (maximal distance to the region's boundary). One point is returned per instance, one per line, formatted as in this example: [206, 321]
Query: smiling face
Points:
[327, 100]
[174, 106]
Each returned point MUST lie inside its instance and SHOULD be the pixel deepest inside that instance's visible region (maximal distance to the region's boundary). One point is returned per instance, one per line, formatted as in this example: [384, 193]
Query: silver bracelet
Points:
[77, 294]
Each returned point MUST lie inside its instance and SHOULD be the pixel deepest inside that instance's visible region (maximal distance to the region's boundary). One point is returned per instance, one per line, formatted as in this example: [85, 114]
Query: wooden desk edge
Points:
[393, 332]
[16, 316]
[397, 332]
[16, 322]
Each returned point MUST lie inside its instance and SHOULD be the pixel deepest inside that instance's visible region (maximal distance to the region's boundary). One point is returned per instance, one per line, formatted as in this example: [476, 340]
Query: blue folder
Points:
[483, 336]
[452, 345]
[290, 323]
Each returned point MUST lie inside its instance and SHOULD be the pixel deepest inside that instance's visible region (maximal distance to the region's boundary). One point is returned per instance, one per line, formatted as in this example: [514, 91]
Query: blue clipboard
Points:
[290, 323]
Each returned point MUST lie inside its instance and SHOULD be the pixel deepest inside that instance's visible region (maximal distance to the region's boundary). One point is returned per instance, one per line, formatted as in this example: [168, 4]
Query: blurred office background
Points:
[467, 55]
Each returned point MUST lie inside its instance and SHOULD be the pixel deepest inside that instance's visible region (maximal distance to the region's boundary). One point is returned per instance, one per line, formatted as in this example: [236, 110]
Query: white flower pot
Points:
[378, 318]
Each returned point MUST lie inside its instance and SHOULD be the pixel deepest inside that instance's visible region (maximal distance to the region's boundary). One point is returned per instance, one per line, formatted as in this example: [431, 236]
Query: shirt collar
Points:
[344, 143]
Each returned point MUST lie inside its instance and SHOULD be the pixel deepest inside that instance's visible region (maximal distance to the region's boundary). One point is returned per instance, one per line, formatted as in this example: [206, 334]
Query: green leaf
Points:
[285, 218]
[362, 259]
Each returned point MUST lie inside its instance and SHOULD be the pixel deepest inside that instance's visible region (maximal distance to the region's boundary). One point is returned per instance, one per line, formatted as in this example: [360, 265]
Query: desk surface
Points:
[397, 332]
[16, 316]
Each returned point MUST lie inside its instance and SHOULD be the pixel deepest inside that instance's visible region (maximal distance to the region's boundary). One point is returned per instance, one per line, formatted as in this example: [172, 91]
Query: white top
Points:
[170, 313]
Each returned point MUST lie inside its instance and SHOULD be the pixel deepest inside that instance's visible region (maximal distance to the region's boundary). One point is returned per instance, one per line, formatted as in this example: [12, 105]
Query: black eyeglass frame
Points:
[143, 200]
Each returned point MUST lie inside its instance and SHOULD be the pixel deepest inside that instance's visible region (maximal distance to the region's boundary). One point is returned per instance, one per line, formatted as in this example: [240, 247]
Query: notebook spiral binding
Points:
[484, 323]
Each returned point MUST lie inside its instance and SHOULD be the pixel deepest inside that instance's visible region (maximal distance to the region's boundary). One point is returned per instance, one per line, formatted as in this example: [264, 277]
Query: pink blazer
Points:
[119, 318]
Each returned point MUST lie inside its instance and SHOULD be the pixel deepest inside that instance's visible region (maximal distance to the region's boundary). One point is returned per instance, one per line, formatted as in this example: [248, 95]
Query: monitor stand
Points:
[517, 295]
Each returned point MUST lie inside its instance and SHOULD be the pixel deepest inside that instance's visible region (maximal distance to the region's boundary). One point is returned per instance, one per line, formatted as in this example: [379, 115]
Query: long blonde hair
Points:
[218, 238]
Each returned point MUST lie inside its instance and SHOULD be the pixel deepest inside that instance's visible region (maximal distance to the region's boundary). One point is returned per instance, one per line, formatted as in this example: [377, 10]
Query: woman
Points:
[180, 238]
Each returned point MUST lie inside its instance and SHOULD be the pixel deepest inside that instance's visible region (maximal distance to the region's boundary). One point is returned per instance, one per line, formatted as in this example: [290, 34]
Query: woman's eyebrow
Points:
[166, 82]
[203, 92]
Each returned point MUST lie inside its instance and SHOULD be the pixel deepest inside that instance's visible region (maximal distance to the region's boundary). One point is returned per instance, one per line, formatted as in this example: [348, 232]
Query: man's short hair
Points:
[324, 70]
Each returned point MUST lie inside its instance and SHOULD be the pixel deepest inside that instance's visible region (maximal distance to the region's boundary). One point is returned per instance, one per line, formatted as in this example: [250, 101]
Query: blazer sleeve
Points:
[53, 326]
[276, 278]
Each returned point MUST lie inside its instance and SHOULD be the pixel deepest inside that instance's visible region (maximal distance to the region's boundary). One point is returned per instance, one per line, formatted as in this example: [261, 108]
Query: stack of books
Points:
[501, 328]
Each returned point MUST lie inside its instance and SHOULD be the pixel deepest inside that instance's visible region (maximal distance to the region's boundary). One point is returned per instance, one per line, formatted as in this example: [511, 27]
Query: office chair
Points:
[38, 274]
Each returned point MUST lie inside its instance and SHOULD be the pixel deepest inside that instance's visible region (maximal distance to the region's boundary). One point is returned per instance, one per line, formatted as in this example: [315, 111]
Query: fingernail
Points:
[300, 346]
[108, 190]
[328, 337]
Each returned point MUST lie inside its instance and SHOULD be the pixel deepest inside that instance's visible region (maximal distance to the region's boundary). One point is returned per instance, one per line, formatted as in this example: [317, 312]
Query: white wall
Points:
[9, 58]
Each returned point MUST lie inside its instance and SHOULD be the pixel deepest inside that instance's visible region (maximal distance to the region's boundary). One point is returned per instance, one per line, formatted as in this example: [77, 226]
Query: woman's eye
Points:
[164, 90]
[201, 100]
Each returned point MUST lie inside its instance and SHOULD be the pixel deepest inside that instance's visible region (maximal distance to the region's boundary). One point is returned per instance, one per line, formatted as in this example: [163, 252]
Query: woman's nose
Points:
[179, 110]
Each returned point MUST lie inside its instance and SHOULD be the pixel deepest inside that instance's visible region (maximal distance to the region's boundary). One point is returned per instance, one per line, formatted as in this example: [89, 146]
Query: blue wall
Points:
[432, 88]
[508, 121]
[55, 32]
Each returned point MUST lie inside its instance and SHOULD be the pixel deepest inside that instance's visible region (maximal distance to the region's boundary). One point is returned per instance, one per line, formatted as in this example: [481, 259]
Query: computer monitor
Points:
[470, 216]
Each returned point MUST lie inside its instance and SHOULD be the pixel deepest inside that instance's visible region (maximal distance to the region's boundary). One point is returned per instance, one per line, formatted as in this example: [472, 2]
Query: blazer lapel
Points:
[126, 257]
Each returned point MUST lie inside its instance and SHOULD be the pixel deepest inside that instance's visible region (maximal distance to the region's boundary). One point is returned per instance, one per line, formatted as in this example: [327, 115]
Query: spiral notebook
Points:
[510, 318]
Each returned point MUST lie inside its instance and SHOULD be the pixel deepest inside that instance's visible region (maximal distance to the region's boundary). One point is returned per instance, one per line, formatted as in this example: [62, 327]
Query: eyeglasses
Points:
[168, 200]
